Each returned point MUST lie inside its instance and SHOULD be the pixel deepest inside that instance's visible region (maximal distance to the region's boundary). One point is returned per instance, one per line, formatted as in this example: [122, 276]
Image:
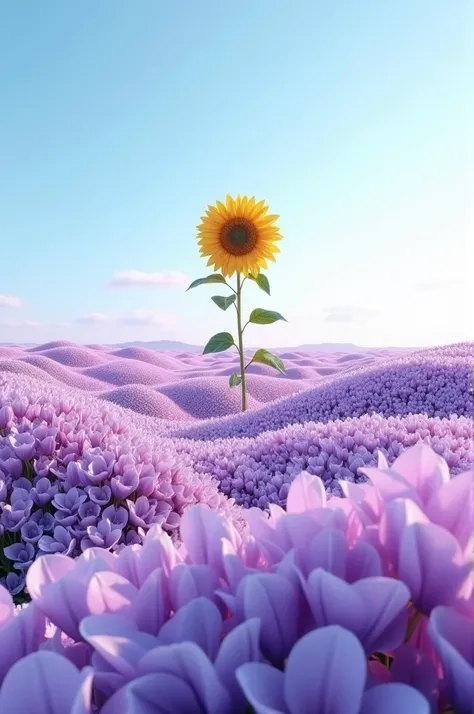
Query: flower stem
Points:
[241, 341]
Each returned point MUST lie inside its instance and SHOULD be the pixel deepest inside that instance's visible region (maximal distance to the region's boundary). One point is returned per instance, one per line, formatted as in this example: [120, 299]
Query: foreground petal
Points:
[313, 673]
[394, 698]
[52, 683]
[263, 687]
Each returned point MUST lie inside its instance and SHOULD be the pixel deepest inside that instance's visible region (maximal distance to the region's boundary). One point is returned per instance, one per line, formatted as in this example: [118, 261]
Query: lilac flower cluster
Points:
[355, 605]
[259, 471]
[435, 383]
[74, 478]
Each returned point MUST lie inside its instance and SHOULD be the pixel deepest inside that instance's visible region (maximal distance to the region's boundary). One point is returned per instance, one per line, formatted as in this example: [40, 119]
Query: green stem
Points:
[241, 342]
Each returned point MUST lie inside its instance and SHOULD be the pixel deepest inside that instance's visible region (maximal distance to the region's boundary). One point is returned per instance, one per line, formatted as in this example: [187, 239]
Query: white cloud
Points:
[138, 278]
[10, 301]
[21, 323]
[348, 313]
[139, 317]
[94, 317]
[439, 284]
[146, 317]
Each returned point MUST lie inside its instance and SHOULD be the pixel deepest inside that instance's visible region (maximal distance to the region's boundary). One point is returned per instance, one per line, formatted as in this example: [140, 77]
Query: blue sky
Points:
[122, 121]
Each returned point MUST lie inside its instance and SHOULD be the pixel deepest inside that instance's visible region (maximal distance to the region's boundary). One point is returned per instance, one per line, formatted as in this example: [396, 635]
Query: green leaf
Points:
[264, 317]
[235, 380]
[214, 278]
[223, 302]
[262, 282]
[219, 343]
[268, 358]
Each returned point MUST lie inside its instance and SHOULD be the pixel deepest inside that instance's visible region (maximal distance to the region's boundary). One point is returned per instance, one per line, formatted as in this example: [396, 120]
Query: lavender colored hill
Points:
[182, 386]
[330, 414]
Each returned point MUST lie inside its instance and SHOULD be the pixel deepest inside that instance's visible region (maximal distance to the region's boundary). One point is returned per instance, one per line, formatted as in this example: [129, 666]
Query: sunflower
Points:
[238, 236]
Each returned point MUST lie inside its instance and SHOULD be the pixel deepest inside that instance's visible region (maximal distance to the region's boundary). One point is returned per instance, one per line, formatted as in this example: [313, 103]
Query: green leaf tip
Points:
[265, 317]
[214, 278]
[219, 343]
[223, 302]
[265, 357]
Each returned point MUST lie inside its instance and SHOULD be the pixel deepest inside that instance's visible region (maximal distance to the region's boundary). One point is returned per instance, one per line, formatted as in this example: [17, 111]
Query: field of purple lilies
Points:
[162, 552]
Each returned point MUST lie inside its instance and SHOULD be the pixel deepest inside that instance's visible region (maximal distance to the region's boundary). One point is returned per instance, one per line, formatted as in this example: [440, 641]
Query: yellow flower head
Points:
[238, 236]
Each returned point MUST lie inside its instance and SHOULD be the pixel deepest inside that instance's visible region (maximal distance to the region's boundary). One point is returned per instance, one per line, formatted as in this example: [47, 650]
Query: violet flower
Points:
[60, 542]
[102, 536]
[21, 553]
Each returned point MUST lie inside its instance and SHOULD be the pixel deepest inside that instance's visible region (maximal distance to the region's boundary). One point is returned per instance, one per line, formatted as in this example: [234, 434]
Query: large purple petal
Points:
[7, 608]
[385, 602]
[334, 602]
[200, 621]
[263, 687]
[431, 563]
[306, 494]
[160, 693]
[52, 683]
[188, 662]
[453, 638]
[151, 608]
[274, 600]
[117, 641]
[452, 506]
[238, 648]
[313, 673]
[394, 698]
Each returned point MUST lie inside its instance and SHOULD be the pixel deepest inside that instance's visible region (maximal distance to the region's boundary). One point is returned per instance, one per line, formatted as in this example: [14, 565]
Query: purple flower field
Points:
[151, 534]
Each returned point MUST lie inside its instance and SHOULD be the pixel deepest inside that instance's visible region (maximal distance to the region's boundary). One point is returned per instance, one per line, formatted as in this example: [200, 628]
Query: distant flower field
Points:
[137, 500]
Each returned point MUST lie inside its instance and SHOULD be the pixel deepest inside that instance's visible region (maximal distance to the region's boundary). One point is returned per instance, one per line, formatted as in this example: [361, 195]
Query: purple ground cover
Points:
[354, 605]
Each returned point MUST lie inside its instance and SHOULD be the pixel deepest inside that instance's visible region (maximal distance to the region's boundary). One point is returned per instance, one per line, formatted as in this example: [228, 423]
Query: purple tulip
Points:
[11, 466]
[23, 445]
[453, 638]
[43, 492]
[13, 517]
[21, 553]
[144, 512]
[102, 536]
[124, 484]
[41, 466]
[89, 512]
[6, 417]
[273, 600]
[43, 519]
[60, 542]
[99, 494]
[311, 681]
[55, 686]
[433, 566]
[69, 502]
[118, 516]
[374, 609]
[14, 583]
[31, 532]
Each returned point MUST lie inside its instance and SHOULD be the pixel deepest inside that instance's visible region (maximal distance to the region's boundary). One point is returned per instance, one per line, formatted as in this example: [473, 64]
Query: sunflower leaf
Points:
[235, 380]
[265, 317]
[214, 278]
[265, 357]
[223, 302]
[262, 282]
[219, 343]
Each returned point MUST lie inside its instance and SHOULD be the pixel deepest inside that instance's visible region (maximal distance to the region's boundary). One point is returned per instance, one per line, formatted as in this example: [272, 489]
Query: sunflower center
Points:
[238, 236]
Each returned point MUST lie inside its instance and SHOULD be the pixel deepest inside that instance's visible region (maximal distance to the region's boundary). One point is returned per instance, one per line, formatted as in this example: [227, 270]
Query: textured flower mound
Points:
[76, 473]
[354, 605]
[258, 471]
[176, 386]
[436, 383]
